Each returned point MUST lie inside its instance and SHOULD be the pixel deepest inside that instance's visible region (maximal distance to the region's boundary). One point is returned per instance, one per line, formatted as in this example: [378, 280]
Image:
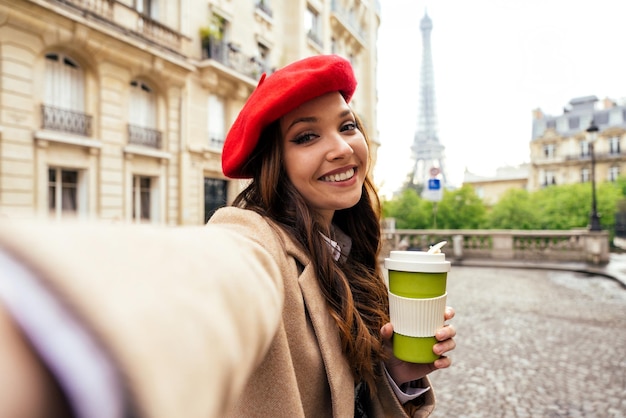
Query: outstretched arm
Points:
[184, 314]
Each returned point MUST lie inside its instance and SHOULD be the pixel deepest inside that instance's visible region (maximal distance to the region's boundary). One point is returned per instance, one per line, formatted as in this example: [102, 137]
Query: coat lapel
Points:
[337, 368]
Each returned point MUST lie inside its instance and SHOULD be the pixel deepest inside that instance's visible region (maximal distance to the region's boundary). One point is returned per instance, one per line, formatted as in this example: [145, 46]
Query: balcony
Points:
[126, 20]
[599, 156]
[342, 18]
[230, 55]
[64, 120]
[146, 137]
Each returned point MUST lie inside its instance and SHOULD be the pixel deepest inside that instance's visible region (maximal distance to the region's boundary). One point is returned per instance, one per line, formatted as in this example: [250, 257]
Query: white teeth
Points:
[340, 177]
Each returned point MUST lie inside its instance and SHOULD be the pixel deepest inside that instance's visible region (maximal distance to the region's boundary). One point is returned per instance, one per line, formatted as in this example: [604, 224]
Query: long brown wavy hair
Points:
[354, 289]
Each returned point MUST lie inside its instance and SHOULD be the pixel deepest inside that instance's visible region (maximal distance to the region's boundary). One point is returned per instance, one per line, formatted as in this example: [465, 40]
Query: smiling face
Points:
[325, 154]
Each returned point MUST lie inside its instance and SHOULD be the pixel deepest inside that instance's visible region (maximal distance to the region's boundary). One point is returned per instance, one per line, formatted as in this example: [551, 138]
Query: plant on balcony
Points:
[212, 33]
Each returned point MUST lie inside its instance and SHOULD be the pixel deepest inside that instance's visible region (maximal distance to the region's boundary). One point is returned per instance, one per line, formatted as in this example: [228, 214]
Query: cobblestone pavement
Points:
[534, 343]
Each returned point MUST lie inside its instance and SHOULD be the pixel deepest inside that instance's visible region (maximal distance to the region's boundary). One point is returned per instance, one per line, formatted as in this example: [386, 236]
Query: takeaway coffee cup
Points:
[417, 302]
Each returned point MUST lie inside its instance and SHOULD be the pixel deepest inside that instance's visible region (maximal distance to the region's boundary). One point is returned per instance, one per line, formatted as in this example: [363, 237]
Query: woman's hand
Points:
[401, 371]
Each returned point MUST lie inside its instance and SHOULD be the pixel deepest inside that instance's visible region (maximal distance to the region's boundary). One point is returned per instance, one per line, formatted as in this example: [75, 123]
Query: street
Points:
[534, 343]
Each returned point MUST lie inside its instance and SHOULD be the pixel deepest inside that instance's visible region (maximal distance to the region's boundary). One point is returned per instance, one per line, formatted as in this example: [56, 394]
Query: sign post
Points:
[433, 191]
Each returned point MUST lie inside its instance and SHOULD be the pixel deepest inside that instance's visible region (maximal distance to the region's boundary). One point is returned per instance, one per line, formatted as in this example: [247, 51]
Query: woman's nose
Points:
[340, 148]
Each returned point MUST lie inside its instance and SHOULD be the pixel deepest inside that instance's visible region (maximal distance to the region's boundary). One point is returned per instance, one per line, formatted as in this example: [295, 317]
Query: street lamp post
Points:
[594, 218]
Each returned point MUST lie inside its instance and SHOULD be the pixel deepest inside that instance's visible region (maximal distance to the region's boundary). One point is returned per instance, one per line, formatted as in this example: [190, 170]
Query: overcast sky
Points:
[494, 62]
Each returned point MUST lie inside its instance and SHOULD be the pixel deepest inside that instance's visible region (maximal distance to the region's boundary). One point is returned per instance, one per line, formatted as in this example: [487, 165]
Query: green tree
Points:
[461, 209]
[555, 207]
[409, 210]
[514, 210]
[563, 206]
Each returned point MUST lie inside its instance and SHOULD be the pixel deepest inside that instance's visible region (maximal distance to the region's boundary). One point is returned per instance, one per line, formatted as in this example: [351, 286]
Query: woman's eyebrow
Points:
[315, 119]
[301, 120]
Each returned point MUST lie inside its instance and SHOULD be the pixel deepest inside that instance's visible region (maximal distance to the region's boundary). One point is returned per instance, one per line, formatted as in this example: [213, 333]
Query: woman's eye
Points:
[304, 138]
[350, 126]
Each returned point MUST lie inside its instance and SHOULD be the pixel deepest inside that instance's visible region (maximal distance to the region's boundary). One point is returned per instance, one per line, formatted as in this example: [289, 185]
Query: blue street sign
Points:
[434, 184]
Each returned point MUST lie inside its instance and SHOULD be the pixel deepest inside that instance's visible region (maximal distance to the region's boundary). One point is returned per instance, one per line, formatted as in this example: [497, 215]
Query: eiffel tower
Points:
[428, 152]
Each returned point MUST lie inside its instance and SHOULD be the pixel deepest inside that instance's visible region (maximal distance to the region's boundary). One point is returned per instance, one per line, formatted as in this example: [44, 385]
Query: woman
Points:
[316, 211]
[276, 308]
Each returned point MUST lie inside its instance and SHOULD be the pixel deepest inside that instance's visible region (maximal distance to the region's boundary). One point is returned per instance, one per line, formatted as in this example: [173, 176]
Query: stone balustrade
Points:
[578, 245]
[129, 21]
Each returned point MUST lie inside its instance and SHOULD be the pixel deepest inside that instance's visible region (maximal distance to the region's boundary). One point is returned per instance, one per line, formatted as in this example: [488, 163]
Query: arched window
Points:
[65, 84]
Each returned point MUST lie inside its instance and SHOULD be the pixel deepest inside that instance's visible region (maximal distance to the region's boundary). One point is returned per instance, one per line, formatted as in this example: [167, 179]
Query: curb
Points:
[615, 271]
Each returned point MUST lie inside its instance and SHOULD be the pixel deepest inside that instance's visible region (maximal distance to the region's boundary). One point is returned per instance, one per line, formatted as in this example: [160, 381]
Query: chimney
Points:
[608, 103]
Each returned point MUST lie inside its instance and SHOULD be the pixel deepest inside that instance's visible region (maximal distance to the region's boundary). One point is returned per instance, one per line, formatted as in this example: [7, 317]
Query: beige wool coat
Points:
[221, 320]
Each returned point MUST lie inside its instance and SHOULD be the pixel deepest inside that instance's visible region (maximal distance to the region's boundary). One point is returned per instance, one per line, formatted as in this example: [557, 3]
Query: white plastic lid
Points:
[417, 261]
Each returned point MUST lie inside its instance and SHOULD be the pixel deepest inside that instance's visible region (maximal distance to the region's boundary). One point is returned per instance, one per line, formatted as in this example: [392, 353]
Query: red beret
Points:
[279, 94]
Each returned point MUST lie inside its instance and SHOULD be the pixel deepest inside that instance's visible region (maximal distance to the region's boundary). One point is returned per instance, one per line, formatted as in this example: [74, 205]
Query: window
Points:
[265, 6]
[148, 8]
[585, 175]
[549, 150]
[64, 192]
[613, 173]
[549, 178]
[584, 149]
[142, 198]
[64, 81]
[216, 122]
[614, 147]
[142, 117]
[312, 25]
[64, 97]
[264, 56]
[214, 196]
[142, 105]
[574, 122]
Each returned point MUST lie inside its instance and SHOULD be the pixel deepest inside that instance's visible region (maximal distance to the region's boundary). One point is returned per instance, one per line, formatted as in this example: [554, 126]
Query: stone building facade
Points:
[117, 109]
[560, 150]
[491, 189]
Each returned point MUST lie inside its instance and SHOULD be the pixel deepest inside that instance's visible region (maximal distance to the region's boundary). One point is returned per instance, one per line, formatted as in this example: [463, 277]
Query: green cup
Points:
[417, 302]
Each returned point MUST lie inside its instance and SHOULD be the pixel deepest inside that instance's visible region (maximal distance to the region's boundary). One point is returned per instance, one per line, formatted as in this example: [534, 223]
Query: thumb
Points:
[387, 331]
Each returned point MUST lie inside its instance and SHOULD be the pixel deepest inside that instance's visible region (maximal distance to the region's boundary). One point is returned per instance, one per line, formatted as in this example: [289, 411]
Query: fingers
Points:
[442, 363]
[449, 313]
[444, 346]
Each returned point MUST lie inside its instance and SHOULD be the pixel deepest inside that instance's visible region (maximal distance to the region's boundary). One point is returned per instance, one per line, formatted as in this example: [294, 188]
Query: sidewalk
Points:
[615, 269]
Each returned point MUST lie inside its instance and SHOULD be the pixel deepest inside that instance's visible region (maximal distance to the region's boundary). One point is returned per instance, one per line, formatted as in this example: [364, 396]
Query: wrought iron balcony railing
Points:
[65, 120]
[231, 56]
[597, 155]
[139, 135]
[216, 142]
